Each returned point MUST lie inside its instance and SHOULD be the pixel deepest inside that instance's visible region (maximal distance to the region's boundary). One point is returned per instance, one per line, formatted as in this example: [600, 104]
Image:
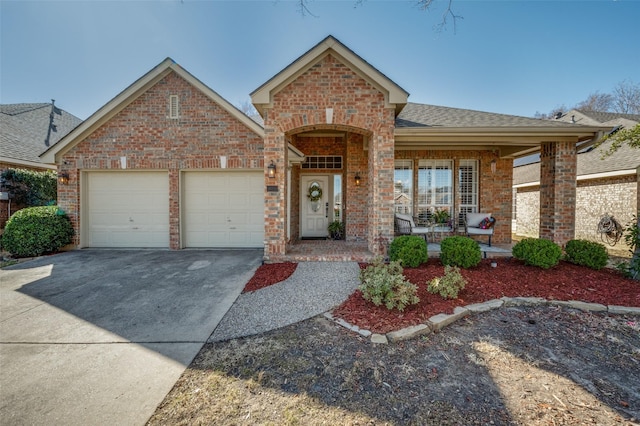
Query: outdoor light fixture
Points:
[63, 178]
[494, 163]
[271, 170]
[357, 179]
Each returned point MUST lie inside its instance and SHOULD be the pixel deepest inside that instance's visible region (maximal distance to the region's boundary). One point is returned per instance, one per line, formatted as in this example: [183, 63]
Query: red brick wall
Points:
[358, 107]
[150, 140]
[494, 190]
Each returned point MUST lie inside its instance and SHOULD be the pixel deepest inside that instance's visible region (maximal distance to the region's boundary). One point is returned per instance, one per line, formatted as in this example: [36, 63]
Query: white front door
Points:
[314, 213]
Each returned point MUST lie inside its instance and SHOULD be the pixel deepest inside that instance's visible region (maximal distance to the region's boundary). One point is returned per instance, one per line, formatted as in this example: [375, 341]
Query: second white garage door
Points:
[223, 209]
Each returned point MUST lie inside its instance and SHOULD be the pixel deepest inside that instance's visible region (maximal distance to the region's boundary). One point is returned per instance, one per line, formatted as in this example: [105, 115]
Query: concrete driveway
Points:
[101, 336]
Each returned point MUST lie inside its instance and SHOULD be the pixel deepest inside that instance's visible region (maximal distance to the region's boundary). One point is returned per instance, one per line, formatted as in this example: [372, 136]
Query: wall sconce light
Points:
[494, 164]
[63, 178]
[357, 179]
[271, 170]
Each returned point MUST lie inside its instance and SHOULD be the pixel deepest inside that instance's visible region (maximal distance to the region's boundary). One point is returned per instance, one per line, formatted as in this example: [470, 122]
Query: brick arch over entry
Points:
[330, 95]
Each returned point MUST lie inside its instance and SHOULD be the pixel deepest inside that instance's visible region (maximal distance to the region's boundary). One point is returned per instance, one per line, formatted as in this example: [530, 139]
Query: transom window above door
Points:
[322, 162]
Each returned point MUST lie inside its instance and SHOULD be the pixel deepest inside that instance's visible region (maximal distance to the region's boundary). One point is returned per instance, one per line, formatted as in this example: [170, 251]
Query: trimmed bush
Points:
[537, 252]
[385, 284]
[586, 253]
[460, 251]
[449, 285]
[409, 250]
[36, 230]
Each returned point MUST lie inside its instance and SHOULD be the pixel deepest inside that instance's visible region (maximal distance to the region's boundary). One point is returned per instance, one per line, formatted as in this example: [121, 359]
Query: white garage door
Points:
[223, 209]
[128, 209]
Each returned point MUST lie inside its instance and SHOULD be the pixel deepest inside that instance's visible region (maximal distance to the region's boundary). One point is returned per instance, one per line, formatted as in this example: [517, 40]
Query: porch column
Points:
[274, 193]
[380, 200]
[558, 167]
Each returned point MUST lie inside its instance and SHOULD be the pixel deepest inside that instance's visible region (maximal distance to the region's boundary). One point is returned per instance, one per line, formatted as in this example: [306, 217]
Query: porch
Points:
[357, 251]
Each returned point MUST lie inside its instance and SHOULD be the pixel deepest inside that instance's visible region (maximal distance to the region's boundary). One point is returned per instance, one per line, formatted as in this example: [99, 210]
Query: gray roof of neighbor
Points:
[421, 115]
[23, 129]
[592, 161]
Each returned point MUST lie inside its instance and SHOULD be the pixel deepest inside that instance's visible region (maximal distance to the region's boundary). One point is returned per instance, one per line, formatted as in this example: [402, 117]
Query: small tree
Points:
[31, 188]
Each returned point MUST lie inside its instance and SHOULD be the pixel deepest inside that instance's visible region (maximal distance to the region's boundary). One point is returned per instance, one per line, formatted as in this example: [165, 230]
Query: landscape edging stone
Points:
[439, 321]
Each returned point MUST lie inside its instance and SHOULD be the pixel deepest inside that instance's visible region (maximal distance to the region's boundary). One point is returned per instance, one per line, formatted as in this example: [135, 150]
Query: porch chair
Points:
[479, 224]
[404, 225]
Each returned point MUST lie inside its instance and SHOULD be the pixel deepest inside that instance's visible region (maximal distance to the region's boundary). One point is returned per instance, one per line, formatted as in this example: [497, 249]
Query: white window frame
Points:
[435, 192]
[468, 187]
[406, 188]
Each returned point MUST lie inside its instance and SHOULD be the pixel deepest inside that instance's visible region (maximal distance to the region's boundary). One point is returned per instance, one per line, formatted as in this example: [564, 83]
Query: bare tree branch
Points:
[448, 13]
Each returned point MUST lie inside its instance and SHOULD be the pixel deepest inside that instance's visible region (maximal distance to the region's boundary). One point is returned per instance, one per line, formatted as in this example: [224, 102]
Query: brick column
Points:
[380, 199]
[274, 201]
[558, 166]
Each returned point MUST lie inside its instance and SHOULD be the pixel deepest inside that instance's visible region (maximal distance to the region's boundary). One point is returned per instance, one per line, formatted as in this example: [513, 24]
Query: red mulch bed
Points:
[268, 274]
[511, 278]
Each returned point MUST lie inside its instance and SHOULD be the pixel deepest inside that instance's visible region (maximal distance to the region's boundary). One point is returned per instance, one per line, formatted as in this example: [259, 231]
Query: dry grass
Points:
[509, 366]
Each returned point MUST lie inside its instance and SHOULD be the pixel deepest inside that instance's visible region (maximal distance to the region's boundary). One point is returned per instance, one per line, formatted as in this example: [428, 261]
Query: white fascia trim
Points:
[607, 174]
[28, 163]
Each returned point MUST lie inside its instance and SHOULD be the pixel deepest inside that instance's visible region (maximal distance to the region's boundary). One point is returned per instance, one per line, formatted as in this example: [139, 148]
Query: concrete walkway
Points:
[313, 288]
[100, 337]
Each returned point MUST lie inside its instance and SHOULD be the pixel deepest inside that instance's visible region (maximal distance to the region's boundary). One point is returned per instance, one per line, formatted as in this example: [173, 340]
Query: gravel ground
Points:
[312, 290]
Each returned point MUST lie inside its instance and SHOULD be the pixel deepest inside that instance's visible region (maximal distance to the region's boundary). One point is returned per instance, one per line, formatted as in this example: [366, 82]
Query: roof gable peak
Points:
[395, 95]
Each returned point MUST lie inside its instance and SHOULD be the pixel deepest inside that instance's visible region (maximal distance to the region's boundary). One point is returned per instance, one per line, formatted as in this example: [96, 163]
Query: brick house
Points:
[608, 185]
[169, 163]
[24, 130]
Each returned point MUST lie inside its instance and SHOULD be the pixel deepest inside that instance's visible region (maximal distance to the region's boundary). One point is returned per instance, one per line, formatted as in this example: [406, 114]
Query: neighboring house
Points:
[24, 128]
[169, 163]
[605, 185]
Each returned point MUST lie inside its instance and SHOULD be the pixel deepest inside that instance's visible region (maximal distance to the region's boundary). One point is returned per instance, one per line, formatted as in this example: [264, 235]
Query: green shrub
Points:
[449, 285]
[31, 188]
[537, 252]
[586, 253]
[36, 230]
[385, 284]
[460, 251]
[409, 250]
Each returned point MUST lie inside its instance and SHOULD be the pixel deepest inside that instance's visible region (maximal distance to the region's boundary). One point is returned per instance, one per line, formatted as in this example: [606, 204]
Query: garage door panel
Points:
[233, 203]
[128, 209]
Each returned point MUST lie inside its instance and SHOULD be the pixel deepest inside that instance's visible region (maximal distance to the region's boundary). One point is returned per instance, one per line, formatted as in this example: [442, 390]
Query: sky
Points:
[512, 57]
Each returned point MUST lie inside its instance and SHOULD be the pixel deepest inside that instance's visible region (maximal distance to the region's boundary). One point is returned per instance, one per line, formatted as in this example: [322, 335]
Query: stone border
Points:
[439, 321]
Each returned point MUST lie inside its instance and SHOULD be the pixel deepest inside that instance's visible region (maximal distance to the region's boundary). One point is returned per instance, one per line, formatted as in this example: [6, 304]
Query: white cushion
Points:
[479, 231]
[407, 217]
[474, 219]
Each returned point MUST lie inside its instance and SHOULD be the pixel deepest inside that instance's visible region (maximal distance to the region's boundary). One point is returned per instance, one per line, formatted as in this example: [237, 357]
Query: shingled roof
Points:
[591, 162]
[24, 130]
[421, 115]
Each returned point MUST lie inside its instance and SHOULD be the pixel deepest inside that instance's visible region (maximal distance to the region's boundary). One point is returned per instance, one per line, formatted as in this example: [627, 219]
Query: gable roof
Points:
[581, 116]
[24, 131]
[624, 161]
[394, 94]
[131, 93]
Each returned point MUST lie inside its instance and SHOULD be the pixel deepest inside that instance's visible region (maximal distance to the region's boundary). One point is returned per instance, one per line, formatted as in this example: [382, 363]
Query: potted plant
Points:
[441, 216]
[336, 230]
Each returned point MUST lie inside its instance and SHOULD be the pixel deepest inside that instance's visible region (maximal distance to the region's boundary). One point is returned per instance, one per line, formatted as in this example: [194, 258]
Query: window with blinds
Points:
[468, 187]
[403, 187]
[435, 187]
